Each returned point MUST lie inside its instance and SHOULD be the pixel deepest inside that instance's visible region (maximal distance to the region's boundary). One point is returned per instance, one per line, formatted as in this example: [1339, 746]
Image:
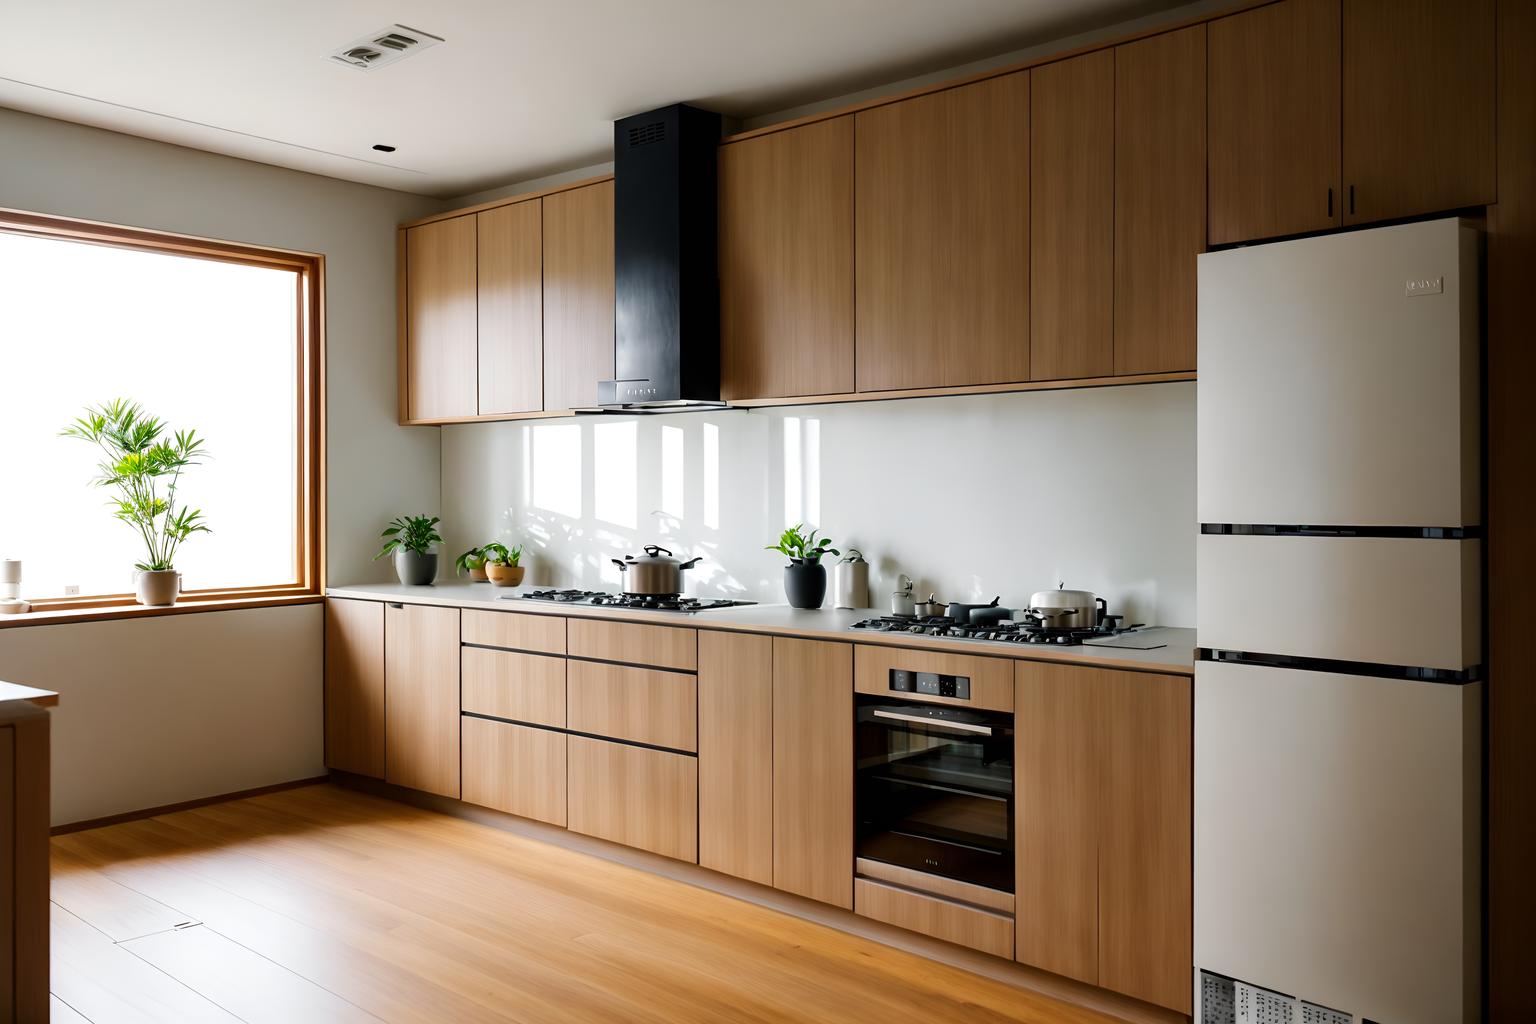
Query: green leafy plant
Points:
[140, 457]
[410, 533]
[802, 547]
[469, 561]
[500, 554]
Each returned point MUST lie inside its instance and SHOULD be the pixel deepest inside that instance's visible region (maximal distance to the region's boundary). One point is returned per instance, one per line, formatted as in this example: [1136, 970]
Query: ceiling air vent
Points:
[389, 45]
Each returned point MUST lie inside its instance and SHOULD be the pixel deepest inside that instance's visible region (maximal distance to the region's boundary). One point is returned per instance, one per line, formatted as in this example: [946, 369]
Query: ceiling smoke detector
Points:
[389, 45]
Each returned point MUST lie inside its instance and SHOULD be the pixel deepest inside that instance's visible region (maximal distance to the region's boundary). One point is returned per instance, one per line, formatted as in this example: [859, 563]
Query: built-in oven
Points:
[933, 784]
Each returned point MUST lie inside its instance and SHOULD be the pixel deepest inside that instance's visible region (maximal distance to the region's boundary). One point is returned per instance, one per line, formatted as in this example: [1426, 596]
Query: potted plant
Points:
[140, 457]
[501, 564]
[472, 562]
[805, 578]
[410, 539]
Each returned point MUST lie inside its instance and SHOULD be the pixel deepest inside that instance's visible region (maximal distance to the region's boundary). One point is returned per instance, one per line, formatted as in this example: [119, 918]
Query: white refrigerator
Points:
[1338, 702]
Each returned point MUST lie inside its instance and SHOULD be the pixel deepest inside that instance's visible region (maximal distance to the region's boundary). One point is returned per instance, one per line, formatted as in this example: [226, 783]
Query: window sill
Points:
[63, 616]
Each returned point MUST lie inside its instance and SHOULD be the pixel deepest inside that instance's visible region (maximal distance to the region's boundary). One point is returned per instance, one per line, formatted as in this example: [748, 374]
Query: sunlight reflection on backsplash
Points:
[958, 493]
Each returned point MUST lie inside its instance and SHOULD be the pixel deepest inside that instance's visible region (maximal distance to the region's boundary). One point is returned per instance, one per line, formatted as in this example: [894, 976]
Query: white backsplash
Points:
[971, 496]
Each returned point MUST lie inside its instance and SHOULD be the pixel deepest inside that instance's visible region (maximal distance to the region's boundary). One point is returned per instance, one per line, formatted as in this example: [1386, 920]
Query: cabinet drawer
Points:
[991, 679]
[634, 795]
[515, 768]
[523, 687]
[542, 633]
[635, 644]
[638, 704]
[943, 919]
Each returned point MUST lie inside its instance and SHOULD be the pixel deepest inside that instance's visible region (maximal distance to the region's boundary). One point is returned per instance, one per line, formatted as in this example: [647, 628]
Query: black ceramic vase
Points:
[805, 584]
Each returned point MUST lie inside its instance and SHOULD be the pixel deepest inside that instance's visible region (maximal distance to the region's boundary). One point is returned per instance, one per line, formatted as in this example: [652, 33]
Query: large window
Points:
[205, 336]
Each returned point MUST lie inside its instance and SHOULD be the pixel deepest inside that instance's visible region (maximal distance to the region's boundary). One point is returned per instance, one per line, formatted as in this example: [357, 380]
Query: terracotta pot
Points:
[157, 589]
[504, 575]
[477, 574]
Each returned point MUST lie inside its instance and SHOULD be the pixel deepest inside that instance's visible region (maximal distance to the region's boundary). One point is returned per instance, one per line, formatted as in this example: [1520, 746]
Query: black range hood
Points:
[666, 308]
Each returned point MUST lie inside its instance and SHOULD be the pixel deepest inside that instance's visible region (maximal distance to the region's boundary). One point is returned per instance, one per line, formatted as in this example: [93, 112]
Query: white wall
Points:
[187, 706]
[158, 711]
[973, 496]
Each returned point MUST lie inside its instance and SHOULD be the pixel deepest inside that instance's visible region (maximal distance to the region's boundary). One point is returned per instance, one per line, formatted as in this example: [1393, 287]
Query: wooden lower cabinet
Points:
[634, 795]
[642, 705]
[960, 923]
[354, 686]
[526, 688]
[813, 769]
[736, 754]
[1104, 813]
[24, 906]
[421, 698]
[515, 768]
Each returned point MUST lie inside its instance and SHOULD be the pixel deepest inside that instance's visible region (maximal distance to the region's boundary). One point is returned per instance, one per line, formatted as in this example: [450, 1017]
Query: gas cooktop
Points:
[648, 602]
[998, 632]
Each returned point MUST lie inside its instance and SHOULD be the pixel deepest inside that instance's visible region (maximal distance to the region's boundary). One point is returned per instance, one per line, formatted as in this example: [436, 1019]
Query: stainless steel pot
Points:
[1068, 609]
[932, 608]
[657, 573]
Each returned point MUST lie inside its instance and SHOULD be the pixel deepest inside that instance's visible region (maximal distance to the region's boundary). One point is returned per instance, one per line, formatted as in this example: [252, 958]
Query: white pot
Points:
[157, 589]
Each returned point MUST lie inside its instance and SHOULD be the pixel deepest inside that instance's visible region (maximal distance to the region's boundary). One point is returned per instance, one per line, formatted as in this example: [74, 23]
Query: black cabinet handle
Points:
[1351, 200]
[1330, 200]
[396, 604]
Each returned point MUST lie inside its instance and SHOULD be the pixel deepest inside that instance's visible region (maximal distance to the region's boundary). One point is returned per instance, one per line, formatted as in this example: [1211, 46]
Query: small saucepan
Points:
[932, 608]
[962, 612]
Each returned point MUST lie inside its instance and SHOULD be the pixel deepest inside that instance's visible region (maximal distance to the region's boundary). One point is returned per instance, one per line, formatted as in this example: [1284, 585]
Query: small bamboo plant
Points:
[143, 462]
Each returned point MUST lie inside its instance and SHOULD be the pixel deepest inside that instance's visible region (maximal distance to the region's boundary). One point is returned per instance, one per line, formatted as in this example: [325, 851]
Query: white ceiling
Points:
[518, 89]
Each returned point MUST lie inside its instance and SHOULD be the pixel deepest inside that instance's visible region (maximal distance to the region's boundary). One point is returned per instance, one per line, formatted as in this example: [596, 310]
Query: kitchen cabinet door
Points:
[1159, 199]
[813, 769]
[511, 309]
[1072, 218]
[441, 320]
[736, 754]
[1056, 832]
[1418, 107]
[516, 769]
[1274, 121]
[645, 798]
[421, 698]
[354, 686]
[942, 238]
[786, 263]
[578, 294]
[1146, 945]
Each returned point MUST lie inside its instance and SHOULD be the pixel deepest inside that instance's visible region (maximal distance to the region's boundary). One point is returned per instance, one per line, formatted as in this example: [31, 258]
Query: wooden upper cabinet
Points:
[354, 686]
[511, 334]
[441, 320]
[1418, 107]
[786, 263]
[1274, 121]
[421, 698]
[942, 235]
[1072, 217]
[1159, 199]
[578, 294]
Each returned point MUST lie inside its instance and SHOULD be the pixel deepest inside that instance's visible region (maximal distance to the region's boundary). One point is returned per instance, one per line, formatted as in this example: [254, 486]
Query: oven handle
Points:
[938, 723]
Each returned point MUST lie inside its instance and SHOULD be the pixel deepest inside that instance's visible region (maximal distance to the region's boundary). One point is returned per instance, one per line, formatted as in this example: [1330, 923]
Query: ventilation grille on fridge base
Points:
[1225, 1000]
[388, 45]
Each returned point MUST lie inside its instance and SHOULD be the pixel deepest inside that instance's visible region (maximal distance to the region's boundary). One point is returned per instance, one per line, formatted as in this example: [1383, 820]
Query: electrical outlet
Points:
[72, 590]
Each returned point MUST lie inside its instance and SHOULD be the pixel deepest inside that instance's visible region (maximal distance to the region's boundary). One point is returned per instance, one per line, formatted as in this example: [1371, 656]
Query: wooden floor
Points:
[323, 904]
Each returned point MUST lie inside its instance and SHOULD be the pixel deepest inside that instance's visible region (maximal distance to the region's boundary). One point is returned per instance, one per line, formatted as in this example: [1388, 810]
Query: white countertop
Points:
[821, 624]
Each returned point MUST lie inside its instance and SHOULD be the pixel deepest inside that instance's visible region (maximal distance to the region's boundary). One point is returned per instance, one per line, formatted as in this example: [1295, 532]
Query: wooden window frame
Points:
[309, 510]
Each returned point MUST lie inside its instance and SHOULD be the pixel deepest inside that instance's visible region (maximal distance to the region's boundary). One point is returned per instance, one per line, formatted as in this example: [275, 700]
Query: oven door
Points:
[934, 789]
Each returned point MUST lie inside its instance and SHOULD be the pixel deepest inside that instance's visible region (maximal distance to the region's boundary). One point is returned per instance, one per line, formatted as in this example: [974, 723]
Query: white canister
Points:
[10, 570]
[901, 600]
[851, 581]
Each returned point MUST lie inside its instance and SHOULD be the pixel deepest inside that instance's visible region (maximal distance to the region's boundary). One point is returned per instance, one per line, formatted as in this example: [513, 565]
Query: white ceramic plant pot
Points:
[157, 589]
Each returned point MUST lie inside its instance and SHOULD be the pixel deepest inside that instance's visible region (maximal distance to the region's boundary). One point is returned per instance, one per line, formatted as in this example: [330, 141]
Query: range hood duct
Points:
[666, 309]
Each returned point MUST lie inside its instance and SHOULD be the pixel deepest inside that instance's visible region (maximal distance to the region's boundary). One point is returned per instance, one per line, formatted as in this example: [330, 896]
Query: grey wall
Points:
[164, 710]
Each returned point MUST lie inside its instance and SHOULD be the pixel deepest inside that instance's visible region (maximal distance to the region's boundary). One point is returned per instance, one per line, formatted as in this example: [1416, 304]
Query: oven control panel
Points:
[933, 684]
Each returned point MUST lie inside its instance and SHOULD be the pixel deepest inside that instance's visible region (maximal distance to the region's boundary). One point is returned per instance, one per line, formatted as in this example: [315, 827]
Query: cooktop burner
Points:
[650, 602]
[1004, 632]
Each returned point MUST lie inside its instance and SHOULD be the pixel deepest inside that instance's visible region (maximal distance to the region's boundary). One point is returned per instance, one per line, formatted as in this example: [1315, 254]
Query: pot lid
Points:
[1062, 598]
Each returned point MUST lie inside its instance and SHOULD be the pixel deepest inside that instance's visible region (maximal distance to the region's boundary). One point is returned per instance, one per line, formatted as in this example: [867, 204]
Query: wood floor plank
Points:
[117, 911]
[106, 984]
[415, 916]
[251, 987]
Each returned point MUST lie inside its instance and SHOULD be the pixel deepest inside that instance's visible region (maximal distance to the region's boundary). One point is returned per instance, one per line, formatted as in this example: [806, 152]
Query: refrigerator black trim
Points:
[1304, 530]
[1408, 673]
